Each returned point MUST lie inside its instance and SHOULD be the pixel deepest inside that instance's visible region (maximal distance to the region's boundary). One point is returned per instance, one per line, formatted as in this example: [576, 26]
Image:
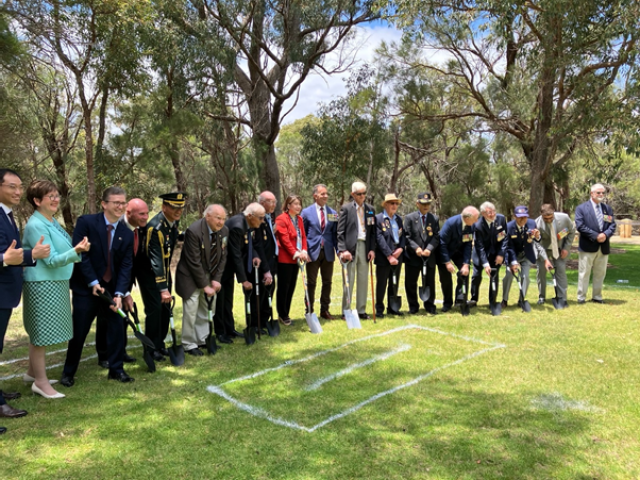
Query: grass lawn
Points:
[545, 395]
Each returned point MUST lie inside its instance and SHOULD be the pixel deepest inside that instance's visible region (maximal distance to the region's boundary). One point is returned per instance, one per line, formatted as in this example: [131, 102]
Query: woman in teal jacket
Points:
[46, 305]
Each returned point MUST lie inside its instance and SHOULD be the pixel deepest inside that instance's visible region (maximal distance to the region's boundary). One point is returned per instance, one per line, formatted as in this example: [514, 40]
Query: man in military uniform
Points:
[268, 250]
[155, 283]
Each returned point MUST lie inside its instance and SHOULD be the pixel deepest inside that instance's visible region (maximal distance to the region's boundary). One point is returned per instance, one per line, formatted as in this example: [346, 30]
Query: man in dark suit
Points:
[321, 226]
[456, 239]
[422, 231]
[357, 244]
[390, 243]
[595, 222]
[522, 246]
[199, 272]
[267, 247]
[107, 266]
[489, 247]
[12, 259]
[242, 258]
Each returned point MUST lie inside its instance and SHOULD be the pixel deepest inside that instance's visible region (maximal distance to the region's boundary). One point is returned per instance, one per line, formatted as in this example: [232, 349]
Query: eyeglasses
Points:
[359, 194]
[117, 204]
[599, 193]
[13, 186]
[52, 197]
[393, 203]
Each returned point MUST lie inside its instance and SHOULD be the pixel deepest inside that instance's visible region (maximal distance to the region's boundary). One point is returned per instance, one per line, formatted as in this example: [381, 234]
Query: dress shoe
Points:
[103, 363]
[326, 315]
[196, 352]
[285, 321]
[581, 302]
[203, 346]
[35, 389]
[263, 332]
[11, 395]
[541, 301]
[2, 430]
[7, 411]
[445, 308]
[364, 316]
[224, 339]
[67, 381]
[431, 310]
[157, 356]
[379, 315]
[394, 313]
[164, 351]
[122, 377]
[413, 312]
[472, 303]
[503, 304]
[237, 334]
[595, 300]
[26, 378]
[128, 359]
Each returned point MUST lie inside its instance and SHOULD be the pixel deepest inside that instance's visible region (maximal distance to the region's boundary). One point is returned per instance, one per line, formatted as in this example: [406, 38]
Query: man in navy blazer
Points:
[489, 247]
[523, 243]
[321, 227]
[106, 267]
[12, 259]
[456, 239]
[594, 221]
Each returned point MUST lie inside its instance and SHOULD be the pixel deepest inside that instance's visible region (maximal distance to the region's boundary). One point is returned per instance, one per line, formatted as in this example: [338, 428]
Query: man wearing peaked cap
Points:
[155, 282]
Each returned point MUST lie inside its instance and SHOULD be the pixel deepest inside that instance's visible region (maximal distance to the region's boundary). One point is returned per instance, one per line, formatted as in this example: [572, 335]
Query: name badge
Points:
[563, 233]
[467, 237]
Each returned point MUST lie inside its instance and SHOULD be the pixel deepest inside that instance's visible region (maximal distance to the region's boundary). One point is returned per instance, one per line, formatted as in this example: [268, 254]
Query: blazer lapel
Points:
[206, 241]
[101, 228]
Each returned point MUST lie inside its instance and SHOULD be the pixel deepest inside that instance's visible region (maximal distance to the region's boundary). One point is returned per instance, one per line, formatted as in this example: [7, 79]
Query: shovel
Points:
[524, 304]
[212, 347]
[310, 317]
[249, 332]
[106, 296]
[176, 352]
[558, 302]
[424, 291]
[351, 316]
[147, 345]
[464, 306]
[395, 301]
[258, 301]
[496, 308]
[373, 296]
[273, 327]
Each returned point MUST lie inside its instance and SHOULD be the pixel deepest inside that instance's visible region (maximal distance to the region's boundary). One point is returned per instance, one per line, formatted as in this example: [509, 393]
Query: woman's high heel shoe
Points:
[35, 389]
[26, 378]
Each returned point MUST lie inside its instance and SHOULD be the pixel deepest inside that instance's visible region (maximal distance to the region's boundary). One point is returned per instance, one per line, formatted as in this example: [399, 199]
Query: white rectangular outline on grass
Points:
[261, 413]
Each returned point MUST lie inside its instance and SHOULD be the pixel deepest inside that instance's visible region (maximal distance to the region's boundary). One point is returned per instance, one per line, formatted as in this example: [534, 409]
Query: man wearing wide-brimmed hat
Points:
[422, 231]
[390, 244]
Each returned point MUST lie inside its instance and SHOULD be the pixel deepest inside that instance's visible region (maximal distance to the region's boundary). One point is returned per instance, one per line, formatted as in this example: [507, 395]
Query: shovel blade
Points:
[148, 359]
[176, 355]
[273, 328]
[526, 306]
[212, 346]
[352, 318]
[250, 335]
[425, 293]
[395, 303]
[146, 341]
[464, 309]
[496, 309]
[313, 322]
[558, 304]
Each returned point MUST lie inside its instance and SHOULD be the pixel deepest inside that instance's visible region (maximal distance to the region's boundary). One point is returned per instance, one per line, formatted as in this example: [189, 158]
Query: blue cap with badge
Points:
[521, 211]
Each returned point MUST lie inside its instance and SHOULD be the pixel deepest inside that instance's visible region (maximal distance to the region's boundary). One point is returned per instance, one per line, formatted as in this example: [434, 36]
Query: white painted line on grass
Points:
[340, 373]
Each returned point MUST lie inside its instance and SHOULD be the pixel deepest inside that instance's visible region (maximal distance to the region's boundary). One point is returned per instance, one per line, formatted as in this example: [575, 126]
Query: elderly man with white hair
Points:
[595, 223]
[357, 244]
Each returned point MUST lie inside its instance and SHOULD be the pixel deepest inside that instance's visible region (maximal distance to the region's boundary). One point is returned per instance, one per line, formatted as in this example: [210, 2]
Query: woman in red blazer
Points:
[292, 248]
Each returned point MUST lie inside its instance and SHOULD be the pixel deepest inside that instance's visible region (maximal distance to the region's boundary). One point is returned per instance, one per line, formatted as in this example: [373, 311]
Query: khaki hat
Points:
[390, 197]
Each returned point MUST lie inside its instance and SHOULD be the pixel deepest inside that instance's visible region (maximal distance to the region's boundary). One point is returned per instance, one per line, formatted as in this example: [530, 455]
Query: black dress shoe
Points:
[595, 300]
[67, 381]
[121, 377]
[128, 359]
[7, 411]
[445, 308]
[2, 430]
[580, 302]
[379, 315]
[394, 313]
[196, 352]
[263, 332]
[11, 395]
[157, 356]
[503, 304]
[541, 301]
[472, 303]
[237, 334]
[103, 363]
[164, 351]
[413, 312]
[203, 346]
[364, 316]
[431, 310]
[224, 339]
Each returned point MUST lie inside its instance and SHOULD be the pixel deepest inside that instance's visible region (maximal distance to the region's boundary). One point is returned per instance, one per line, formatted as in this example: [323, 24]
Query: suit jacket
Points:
[456, 241]
[94, 262]
[315, 235]
[266, 245]
[59, 264]
[11, 275]
[564, 230]
[194, 269]
[519, 242]
[238, 249]
[348, 228]
[385, 244]
[490, 242]
[287, 236]
[587, 225]
[427, 238]
[161, 238]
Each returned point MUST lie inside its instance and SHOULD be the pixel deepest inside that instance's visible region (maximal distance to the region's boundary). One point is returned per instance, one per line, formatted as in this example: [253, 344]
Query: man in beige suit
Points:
[204, 256]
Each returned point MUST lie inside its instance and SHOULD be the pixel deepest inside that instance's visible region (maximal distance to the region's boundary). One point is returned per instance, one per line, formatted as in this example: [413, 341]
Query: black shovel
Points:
[273, 327]
[496, 308]
[558, 302]
[249, 332]
[395, 301]
[424, 291]
[524, 304]
[464, 304]
[176, 352]
[257, 286]
[212, 347]
[147, 345]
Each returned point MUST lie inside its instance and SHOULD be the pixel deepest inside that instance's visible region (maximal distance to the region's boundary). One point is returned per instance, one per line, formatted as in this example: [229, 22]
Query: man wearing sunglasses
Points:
[594, 221]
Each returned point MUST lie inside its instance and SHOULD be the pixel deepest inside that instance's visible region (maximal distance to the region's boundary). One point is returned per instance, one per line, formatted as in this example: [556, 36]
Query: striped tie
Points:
[599, 216]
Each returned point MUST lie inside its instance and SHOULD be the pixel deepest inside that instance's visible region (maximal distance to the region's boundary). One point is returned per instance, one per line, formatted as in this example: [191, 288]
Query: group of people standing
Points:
[112, 250]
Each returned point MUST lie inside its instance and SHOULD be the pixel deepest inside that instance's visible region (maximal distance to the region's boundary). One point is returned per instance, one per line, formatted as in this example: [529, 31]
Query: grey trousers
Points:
[596, 262]
[525, 266]
[360, 267]
[560, 267]
[195, 320]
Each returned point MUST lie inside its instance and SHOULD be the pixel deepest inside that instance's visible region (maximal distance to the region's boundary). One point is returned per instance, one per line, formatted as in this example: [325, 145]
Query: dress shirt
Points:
[362, 232]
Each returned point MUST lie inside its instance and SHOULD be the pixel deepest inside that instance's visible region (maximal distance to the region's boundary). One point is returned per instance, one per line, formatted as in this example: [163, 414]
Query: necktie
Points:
[249, 251]
[599, 216]
[269, 222]
[395, 232]
[322, 219]
[424, 222]
[13, 221]
[554, 241]
[107, 274]
[213, 253]
[135, 241]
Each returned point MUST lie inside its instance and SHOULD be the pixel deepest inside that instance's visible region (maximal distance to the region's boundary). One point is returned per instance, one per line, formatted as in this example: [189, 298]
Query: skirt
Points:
[46, 312]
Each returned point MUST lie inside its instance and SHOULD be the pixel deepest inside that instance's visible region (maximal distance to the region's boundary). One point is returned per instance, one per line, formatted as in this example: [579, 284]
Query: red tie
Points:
[135, 242]
[107, 274]
[322, 220]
